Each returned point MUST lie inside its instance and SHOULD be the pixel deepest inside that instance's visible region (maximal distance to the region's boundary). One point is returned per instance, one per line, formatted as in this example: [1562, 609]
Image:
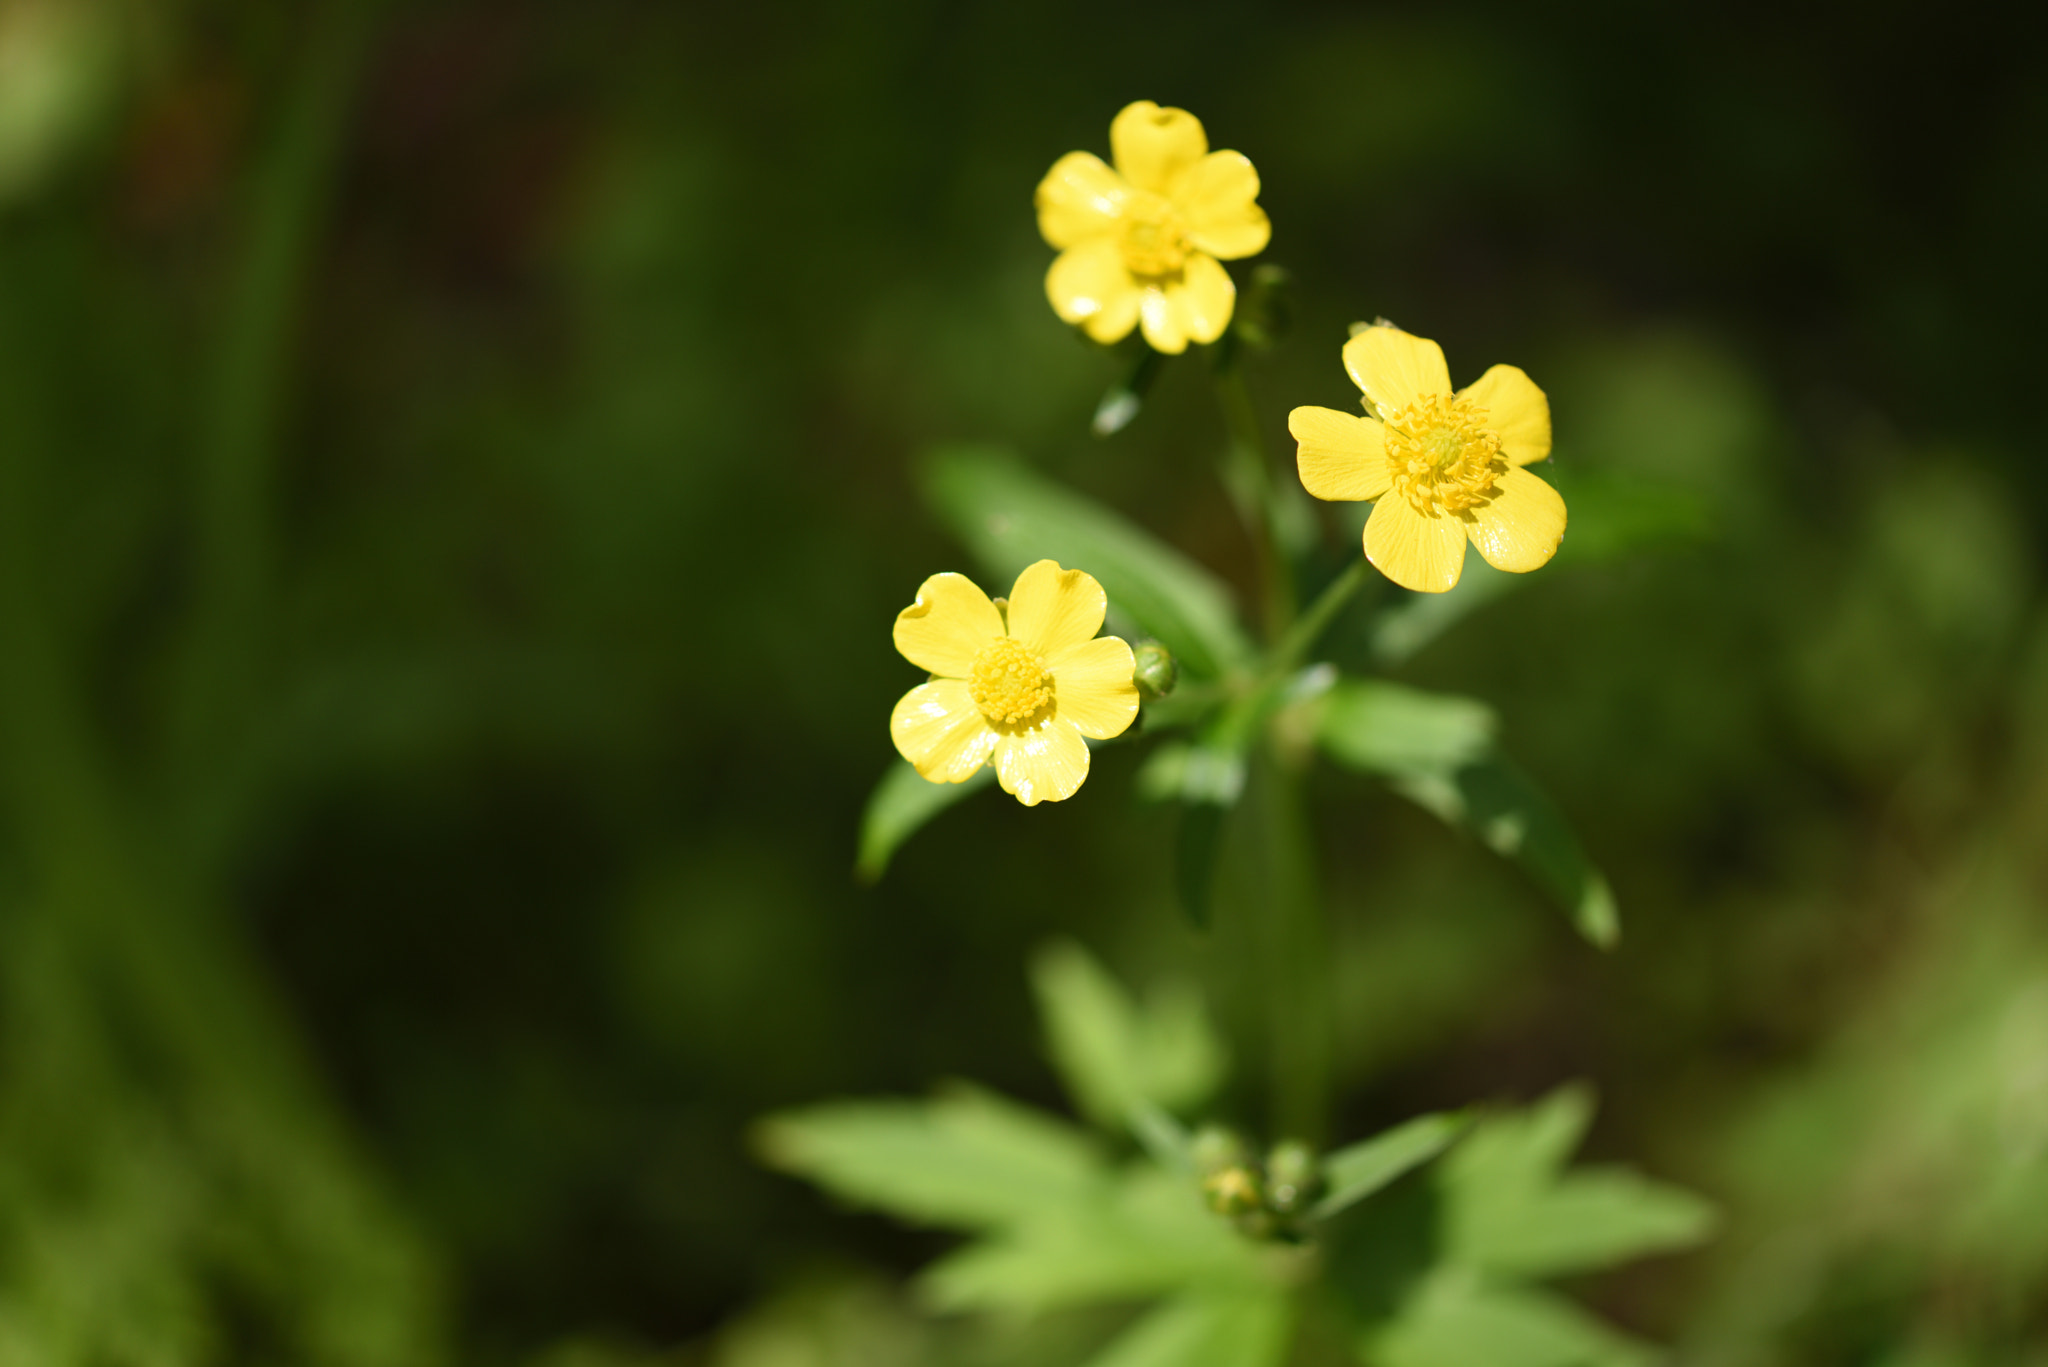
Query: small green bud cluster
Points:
[1267, 1200]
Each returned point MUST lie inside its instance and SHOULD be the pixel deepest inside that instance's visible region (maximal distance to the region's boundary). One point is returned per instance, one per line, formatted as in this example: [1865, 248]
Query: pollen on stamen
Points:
[1009, 683]
[1441, 456]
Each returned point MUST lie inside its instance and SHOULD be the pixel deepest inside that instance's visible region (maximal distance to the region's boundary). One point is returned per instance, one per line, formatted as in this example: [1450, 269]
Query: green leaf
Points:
[1385, 728]
[1439, 752]
[1115, 1056]
[1455, 1321]
[1148, 1236]
[1009, 516]
[1206, 1329]
[1513, 1208]
[1497, 802]
[1358, 1170]
[899, 807]
[965, 1159]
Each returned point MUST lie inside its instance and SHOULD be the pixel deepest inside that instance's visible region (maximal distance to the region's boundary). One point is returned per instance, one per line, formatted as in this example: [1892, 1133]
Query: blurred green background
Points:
[456, 478]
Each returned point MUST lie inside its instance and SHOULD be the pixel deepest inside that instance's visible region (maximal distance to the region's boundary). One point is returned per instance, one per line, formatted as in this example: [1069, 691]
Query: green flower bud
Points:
[1214, 1148]
[1294, 1178]
[1156, 670]
[1234, 1190]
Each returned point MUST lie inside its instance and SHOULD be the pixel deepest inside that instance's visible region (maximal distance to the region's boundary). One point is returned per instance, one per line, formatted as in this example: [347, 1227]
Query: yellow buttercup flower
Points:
[1141, 244]
[1016, 684]
[1443, 467]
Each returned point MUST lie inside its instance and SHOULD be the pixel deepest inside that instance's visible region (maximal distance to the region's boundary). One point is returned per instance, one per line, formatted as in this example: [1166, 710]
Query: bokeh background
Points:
[456, 477]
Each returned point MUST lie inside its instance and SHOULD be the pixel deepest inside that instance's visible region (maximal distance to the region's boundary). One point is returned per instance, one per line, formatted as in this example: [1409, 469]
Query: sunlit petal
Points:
[1165, 328]
[949, 622]
[1419, 551]
[1092, 686]
[1516, 409]
[1202, 298]
[1393, 367]
[1079, 199]
[1048, 763]
[1152, 146]
[1519, 527]
[1052, 609]
[1342, 456]
[937, 727]
[1089, 285]
[1217, 197]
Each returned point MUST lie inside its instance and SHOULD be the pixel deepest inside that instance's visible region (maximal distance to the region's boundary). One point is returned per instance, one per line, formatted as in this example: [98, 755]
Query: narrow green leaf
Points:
[1358, 1170]
[1456, 1321]
[1386, 728]
[1115, 1056]
[965, 1159]
[1010, 516]
[1439, 753]
[1515, 819]
[1206, 1329]
[899, 807]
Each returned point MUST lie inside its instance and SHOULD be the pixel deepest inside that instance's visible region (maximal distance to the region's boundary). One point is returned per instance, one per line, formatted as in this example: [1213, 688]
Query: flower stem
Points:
[1295, 960]
[1247, 478]
[1310, 626]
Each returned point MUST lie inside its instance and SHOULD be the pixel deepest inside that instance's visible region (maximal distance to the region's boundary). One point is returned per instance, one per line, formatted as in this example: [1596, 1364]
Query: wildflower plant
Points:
[1431, 1243]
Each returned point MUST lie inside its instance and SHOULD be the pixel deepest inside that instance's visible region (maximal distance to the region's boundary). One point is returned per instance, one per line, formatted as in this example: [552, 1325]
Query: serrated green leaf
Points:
[1358, 1170]
[899, 807]
[1010, 516]
[1112, 1054]
[1206, 1329]
[964, 1160]
[1150, 1237]
[1456, 1321]
[1512, 1208]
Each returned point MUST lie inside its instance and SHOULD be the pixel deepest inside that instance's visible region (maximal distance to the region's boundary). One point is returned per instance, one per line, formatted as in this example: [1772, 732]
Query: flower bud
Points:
[1293, 1177]
[1233, 1190]
[1155, 672]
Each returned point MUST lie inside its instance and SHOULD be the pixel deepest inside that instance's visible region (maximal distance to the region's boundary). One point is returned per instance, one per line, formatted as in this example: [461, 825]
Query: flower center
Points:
[1009, 683]
[1151, 235]
[1440, 456]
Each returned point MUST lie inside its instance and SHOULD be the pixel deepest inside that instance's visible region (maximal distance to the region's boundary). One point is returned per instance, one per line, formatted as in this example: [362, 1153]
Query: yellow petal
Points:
[1048, 763]
[1519, 527]
[1216, 197]
[1152, 146]
[1052, 609]
[949, 622]
[1393, 367]
[1342, 456]
[937, 727]
[1079, 199]
[1089, 285]
[1516, 409]
[1092, 686]
[1165, 326]
[1201, 300]
[1419, 551]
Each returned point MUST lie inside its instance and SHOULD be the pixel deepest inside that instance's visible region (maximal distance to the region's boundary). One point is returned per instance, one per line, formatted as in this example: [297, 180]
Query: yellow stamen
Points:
[1154, 241]
[1009, 684]
[1440, 455]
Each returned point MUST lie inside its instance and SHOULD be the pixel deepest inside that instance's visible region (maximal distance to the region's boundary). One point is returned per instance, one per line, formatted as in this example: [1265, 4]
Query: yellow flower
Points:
[1444, 468]
[1016, 684]
[1140, 244]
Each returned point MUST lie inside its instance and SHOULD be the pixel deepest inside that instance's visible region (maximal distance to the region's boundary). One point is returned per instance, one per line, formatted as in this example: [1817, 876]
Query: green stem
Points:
[1247, 478]
[1310, 626]
[244, 401]
[1300, 1030]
